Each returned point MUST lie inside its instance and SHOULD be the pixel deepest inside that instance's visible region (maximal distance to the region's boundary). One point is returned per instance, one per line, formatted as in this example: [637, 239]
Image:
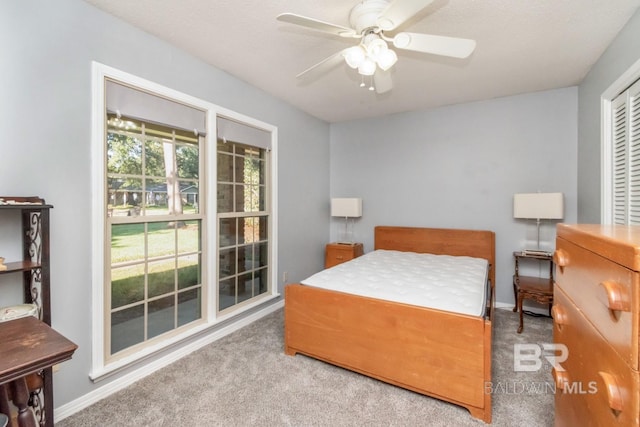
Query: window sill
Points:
[116, 367]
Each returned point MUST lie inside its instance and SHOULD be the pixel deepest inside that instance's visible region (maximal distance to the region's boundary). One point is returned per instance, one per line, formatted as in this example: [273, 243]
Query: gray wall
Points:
[45, 106]
[456, 166]
[619, 56]
[459, 167]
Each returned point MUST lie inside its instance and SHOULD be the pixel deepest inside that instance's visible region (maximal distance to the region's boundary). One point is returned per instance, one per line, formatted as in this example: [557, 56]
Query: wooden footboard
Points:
[436, 353]
[375, 337]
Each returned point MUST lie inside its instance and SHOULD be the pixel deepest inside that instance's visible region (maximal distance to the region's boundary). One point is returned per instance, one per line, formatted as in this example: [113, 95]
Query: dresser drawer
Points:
[597, 387]
[603, 290]
[337, 253]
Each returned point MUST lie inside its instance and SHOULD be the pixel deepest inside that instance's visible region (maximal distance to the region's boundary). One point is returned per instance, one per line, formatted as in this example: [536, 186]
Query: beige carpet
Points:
[245, 379]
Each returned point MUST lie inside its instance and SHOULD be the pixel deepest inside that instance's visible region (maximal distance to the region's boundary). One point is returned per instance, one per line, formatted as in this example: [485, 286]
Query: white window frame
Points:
[606, 126]
[99, 368]
[272, 201]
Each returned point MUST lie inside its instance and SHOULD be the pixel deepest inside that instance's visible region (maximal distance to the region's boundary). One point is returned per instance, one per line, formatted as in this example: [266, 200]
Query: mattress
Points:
[451, 283]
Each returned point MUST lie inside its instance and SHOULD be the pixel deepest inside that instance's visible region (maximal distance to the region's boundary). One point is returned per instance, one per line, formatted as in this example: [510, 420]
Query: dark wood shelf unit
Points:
[35, 269]
[17, 266]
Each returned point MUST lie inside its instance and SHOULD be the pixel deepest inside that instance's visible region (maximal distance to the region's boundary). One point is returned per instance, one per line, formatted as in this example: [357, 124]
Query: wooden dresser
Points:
[596, 304]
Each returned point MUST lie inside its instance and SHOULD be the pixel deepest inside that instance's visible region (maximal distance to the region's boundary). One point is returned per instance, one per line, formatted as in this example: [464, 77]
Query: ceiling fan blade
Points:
[382, 81]
[437, 45]
[316, 24]
[399, 11]
[323, 66]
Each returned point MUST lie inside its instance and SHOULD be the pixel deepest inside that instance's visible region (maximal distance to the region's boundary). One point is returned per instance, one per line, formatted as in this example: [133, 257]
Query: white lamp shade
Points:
[538, 205]
[346, 207]
[386, 59]
[367, 67]
[375, 48]
[354, 56]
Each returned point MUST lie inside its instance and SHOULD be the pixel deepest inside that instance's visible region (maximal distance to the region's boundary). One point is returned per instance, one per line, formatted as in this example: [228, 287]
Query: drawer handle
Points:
[560, 258]
[614, 394]
[340, 257]
[614, 296]
[559, 315]
[560, 378]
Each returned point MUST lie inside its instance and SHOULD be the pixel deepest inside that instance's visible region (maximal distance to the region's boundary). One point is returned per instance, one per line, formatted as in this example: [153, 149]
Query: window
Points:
[243, 213]
[168, 262]
[154, 280]
[154, 225]
[625, 157]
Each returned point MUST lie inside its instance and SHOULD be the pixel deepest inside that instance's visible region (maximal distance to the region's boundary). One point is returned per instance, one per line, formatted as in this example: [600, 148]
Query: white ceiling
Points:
[522, 46]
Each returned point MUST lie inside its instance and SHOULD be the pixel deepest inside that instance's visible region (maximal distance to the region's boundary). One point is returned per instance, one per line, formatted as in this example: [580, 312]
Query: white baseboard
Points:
[100, 393]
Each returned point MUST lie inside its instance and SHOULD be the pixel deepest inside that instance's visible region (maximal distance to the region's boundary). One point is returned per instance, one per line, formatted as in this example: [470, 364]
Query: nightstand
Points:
[337, 253]
[539, 289]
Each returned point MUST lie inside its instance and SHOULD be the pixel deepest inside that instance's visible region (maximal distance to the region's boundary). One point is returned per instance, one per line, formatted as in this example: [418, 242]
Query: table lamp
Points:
[346, 208]
[538, 206]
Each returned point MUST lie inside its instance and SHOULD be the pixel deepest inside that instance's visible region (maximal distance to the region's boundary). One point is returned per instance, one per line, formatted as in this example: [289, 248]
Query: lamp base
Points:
[536, 252]
[346, 236]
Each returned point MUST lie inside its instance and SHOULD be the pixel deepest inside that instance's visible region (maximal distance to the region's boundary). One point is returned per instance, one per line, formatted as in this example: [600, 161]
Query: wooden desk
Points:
[28, 346]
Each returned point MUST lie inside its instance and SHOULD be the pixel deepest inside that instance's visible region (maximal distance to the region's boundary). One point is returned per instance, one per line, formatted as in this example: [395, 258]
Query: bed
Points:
[396, 342]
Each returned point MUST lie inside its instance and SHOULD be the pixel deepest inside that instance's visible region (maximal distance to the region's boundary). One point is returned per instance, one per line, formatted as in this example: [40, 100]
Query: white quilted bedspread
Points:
[451, 283]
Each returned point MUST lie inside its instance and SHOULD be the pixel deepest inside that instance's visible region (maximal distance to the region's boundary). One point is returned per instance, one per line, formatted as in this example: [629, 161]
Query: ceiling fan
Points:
[371, 21]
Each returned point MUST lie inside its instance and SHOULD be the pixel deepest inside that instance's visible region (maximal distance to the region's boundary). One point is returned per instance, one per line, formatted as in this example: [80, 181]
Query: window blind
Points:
[145, 106]
[230, 130]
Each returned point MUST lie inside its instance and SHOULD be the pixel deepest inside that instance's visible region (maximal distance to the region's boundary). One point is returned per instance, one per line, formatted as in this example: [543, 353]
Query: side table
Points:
[28, 345]
[539, 289]
[337, 253]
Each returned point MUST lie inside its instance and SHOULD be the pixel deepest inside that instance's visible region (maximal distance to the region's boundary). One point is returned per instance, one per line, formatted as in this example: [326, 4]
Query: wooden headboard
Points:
[442, 241]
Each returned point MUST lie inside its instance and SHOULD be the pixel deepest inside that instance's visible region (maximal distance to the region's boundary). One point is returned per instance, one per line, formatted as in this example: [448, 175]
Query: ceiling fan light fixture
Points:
[367, 67]
[370, 20]
[354, 56]
[375, 48]
[387, 59]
